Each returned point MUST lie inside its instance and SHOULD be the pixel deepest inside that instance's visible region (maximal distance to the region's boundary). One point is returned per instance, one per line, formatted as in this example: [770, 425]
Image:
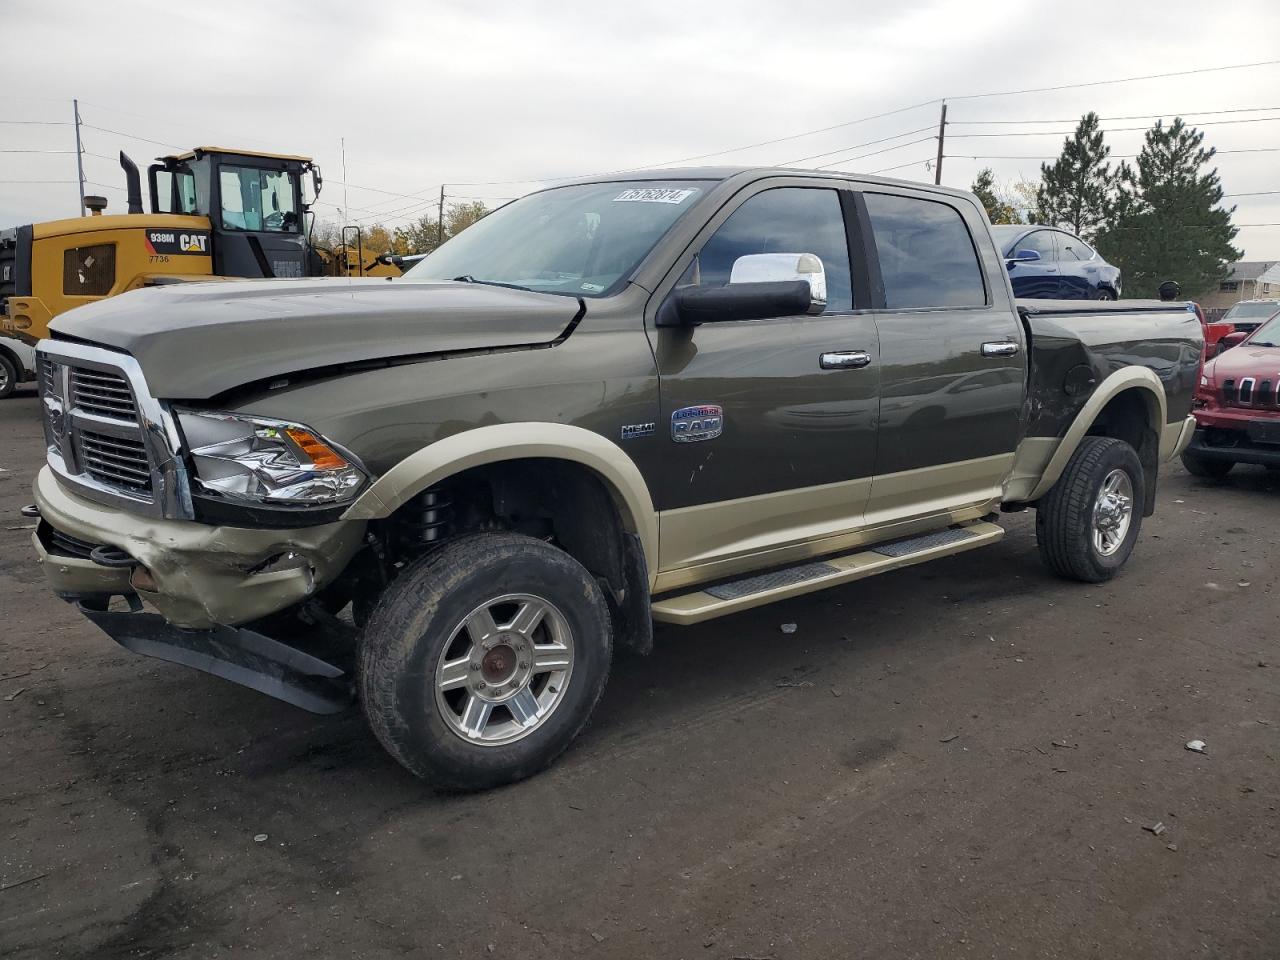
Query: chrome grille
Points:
[107, 437]
[115, 461]
[104, 394]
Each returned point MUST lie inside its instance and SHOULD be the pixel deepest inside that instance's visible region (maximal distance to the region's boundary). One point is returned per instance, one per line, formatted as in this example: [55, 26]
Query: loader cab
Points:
[254, 203]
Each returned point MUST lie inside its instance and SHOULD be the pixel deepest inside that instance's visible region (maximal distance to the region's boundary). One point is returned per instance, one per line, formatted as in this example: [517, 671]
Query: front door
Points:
[952, 360]
[1036, 279]
[769, 444]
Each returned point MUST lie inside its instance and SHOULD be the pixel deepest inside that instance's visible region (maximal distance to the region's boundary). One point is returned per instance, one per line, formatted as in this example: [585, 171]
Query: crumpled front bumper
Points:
[198, 576]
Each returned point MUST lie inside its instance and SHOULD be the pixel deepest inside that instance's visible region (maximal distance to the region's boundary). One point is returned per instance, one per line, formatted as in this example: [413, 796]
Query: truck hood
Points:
[196, 340]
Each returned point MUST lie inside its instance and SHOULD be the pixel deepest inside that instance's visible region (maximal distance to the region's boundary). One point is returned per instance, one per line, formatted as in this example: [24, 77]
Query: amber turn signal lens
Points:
[321, 454]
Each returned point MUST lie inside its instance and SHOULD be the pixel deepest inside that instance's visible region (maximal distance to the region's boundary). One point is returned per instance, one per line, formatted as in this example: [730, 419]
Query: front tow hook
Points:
[114, 557]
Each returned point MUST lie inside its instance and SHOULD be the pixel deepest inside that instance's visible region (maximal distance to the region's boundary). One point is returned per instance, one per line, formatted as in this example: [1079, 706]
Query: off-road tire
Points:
[8, 377]
[414, 619]
[1064, 516]
[1206, 468]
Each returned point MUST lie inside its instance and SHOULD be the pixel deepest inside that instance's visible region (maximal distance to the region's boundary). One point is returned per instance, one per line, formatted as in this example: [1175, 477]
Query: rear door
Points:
[1038, 279]
[770, 439]
[952, 357]
[1078, 268]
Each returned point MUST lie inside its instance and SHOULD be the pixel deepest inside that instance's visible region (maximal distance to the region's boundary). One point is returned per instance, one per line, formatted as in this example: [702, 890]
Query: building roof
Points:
[1250, 269]
[1272, 274]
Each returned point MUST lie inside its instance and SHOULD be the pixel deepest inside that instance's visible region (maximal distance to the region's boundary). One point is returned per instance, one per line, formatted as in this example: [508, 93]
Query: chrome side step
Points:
[725, 598]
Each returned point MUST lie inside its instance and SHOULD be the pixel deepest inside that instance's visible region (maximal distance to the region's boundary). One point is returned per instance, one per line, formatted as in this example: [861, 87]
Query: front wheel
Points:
[1102, 293]
[1206, 468]
[1087, 525]
[485, 659]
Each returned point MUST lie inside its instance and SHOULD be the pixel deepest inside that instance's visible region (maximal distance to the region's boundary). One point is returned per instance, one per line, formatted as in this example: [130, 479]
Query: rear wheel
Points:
[1102, 293]
[1087, 525]
[1206, 468]
[484, 660]
[8, 377]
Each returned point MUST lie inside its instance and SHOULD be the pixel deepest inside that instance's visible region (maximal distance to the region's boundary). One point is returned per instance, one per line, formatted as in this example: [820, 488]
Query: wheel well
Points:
[559, 501]
[1132, 415]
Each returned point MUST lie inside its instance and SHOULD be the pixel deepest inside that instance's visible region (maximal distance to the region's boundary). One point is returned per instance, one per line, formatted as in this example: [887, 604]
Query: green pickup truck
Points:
[670, 395]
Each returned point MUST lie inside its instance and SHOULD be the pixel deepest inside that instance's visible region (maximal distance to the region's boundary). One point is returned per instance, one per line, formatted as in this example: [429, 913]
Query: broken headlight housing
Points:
[262, 461]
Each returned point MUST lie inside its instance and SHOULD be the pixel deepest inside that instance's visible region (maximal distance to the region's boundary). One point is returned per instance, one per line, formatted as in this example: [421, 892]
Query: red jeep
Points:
[1237, 407]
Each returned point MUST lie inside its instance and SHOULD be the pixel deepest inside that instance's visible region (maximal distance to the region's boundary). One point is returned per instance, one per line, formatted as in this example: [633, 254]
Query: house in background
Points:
[1245, 280]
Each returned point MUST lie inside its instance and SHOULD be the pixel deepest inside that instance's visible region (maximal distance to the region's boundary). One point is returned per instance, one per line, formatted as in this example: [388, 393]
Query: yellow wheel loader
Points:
[214, 213]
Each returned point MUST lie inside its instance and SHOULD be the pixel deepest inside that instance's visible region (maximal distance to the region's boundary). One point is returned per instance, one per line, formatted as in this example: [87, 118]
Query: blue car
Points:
[1045, 263]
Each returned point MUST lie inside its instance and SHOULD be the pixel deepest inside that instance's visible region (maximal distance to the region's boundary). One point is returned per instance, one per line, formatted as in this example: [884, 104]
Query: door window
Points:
[927, 257]
[783, 220]
[256, 199]
[175, 191]
[1041, 241]
[1073, 248]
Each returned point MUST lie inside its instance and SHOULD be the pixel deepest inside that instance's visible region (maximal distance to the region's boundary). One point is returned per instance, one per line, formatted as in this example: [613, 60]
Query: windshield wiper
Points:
[468, 278]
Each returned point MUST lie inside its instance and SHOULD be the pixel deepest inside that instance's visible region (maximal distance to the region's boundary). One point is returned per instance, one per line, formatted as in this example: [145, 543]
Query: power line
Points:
[900, 166]
[39, 181]
[38, 123]
[1103, 83]
[1253, 193]
[7, 150]
[130, 136]
[862, 156]
[1067, 133]
[1139, 116]
[856, 146]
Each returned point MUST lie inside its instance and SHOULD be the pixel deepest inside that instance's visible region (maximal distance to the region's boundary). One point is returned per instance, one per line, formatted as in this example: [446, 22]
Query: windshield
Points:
[256, 199]
[1267, 335]
[578, 240]
[1253, 311]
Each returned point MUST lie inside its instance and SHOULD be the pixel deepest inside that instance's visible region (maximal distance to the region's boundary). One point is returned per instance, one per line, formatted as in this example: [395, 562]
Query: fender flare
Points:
[497, 443]
[1128, 378]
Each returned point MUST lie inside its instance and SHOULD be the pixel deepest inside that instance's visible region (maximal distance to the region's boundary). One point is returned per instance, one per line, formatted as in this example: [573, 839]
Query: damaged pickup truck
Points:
[667, 396]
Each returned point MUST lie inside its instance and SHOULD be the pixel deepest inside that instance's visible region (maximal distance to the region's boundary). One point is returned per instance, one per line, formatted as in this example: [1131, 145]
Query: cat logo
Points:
[193, 242]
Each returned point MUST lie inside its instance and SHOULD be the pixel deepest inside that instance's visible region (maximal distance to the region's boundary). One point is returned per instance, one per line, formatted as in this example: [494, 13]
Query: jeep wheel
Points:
[8, 376]
[1086, 526]
[483, 660]
[1205, 468]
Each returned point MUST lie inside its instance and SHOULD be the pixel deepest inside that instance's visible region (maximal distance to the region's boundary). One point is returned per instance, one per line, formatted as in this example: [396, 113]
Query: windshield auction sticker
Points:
[653, 195]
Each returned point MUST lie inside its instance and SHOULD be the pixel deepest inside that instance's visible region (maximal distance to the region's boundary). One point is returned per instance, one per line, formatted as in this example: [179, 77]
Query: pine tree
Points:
[1075, 192]
[999, 210]
[1166, 223]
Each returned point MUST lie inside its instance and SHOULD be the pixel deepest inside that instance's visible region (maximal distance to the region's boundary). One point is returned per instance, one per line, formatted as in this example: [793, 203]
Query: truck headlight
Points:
[259, 460]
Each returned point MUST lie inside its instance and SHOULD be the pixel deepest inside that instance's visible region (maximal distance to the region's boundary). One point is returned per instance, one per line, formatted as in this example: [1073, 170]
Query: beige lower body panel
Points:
[1176, 437]
[718, 540]
[697, 606]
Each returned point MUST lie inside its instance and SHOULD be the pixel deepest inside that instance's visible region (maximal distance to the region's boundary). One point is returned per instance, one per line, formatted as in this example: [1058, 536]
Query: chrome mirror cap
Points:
[772, 267]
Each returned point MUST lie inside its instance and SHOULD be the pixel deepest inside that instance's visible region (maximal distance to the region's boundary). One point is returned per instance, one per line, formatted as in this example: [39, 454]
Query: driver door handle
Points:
[1001, 348]
[844, 360]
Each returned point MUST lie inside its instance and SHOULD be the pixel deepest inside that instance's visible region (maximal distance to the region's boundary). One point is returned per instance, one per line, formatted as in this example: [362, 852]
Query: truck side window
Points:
[254, 199]
[784, 220]
[927, 257]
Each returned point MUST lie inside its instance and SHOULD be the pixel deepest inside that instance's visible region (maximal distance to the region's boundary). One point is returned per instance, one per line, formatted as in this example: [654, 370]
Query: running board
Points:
[754, 591]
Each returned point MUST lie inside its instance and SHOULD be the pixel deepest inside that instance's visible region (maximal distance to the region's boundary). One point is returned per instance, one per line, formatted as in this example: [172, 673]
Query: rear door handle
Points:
[1001, 348]
[844, 360]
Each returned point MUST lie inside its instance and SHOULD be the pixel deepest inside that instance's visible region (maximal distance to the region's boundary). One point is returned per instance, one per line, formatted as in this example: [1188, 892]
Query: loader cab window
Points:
[257, 199]
[175, 191]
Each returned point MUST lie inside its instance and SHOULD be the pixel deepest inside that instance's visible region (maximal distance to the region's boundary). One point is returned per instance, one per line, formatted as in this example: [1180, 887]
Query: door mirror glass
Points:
[1025, 256]
[758, 268]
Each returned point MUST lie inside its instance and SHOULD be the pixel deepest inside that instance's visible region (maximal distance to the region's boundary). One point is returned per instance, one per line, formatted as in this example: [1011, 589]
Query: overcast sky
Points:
[468, 92]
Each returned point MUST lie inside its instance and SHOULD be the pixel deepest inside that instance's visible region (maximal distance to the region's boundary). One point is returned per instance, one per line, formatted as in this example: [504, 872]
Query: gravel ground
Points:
[959, 760]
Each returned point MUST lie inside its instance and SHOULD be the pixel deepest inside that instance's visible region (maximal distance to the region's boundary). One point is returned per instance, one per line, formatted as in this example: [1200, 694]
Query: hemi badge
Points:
[704, 422]
[633, 431]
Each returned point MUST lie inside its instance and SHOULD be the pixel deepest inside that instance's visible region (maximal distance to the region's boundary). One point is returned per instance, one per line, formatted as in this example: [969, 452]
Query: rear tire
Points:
[1206, 468]
[1083, 529]
[1102, 293]
[458, 685]
[8, 377]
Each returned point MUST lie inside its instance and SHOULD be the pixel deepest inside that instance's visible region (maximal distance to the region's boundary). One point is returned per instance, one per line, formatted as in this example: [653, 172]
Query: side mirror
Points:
[1023, 256]
[1231, 340]
[317, 181]
[692, 306]
[777, 267]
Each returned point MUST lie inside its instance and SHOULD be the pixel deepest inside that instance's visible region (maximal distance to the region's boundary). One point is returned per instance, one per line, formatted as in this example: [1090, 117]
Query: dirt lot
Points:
[955, 761]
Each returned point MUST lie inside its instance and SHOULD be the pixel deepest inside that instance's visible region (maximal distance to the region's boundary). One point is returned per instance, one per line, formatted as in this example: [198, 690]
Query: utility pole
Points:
[75, 108]
[343, 143]
[440, 218]
[942, 135]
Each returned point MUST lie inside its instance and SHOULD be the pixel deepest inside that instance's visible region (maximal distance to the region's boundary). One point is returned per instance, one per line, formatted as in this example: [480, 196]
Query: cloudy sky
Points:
[476, 95]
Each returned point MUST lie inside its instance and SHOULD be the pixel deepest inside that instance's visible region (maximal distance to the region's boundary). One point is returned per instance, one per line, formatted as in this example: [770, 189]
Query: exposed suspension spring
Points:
[430, 519]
